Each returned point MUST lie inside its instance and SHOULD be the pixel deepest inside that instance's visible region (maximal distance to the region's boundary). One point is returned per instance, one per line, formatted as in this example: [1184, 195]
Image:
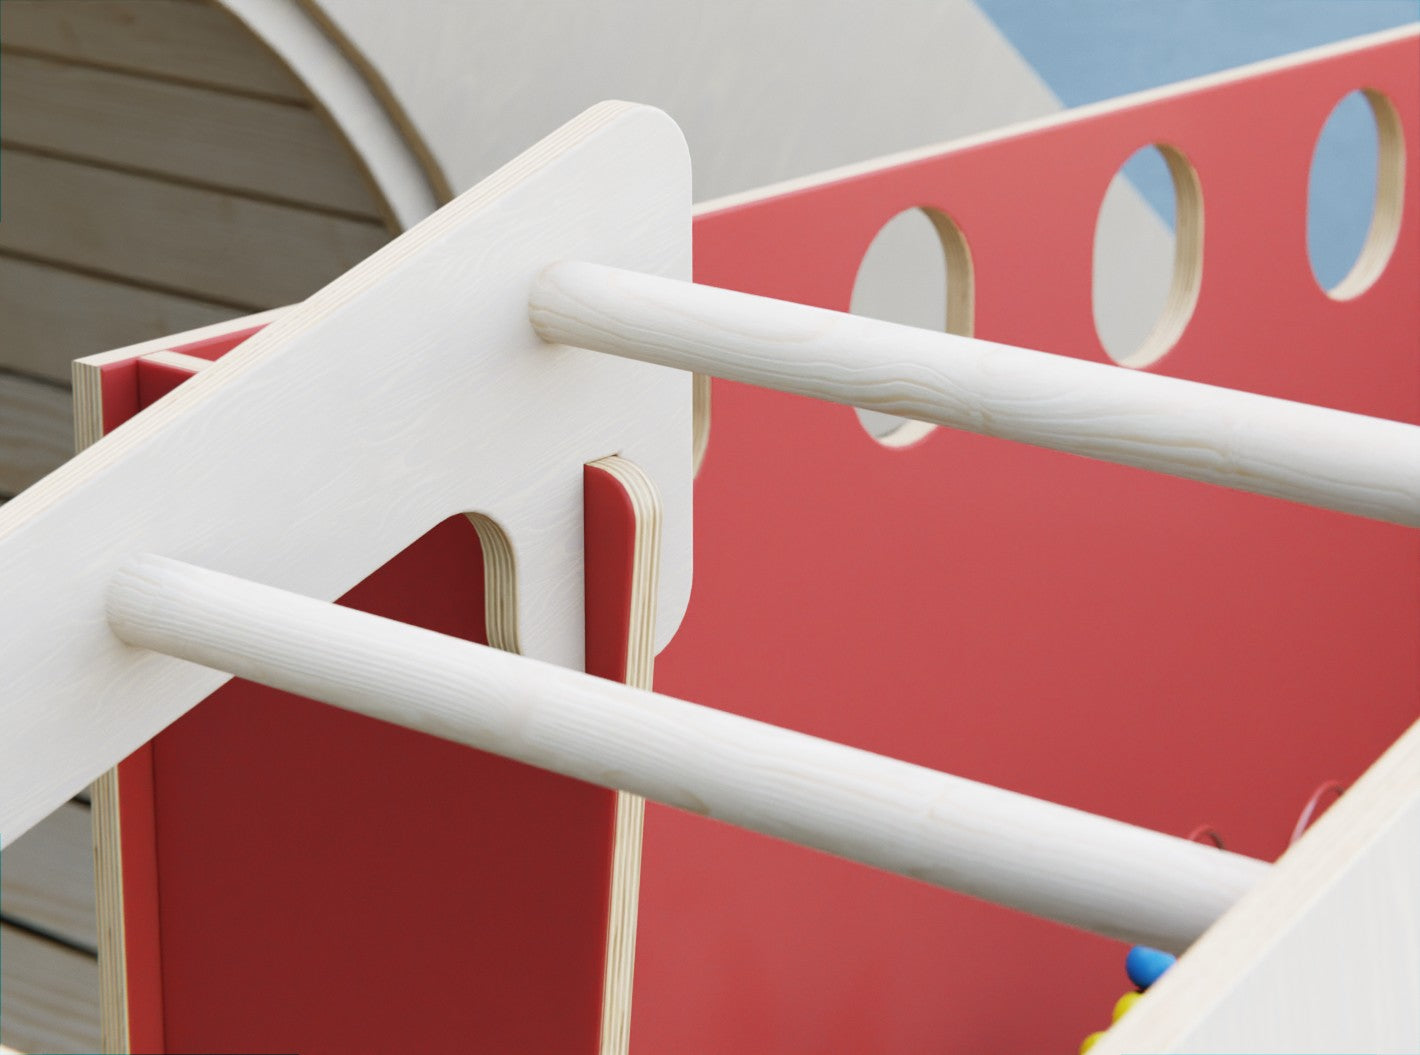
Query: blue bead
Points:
[1144, 965]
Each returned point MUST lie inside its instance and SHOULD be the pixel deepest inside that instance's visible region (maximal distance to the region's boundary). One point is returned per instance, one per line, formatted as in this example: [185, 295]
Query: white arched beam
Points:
[1064, 864]
[1314, 455]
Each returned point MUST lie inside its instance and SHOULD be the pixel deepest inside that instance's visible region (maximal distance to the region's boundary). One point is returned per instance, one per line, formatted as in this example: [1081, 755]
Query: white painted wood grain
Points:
[51, 316]
[1049, 860]
[213, 138]
[385, 403]
[49, 995]
[35, 431]
[195, 42]
[1323, 955]
[184, 239]
[47, 877]
[1314, 455]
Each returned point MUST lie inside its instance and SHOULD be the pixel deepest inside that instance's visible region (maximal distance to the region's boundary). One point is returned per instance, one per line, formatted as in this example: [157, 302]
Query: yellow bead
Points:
[1124, 1003]
[1089, 1042]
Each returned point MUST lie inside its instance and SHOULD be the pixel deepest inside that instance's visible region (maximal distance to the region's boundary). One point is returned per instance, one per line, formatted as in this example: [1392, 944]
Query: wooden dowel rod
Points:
[1049, 860]
[1315, 455]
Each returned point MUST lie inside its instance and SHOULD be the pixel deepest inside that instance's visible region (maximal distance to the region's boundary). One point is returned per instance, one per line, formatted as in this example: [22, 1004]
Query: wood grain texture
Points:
[183, 239]
[1314, 455]
[218, 140]
[1321, 956]
[47, 877]
[198, 43]
[349, 92]
[620, 484]
[49, 993]
[1131, 883]
[35, 431]
[52, 316]
[321, 521]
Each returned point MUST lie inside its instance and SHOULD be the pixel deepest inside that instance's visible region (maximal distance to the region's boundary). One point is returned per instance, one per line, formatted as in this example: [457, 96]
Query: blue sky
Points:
[1087, 50]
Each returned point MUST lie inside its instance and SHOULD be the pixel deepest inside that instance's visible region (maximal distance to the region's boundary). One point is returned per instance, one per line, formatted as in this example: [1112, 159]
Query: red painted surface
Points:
[317, 881]
[1152, 649]
[155, 380]
[216, 347]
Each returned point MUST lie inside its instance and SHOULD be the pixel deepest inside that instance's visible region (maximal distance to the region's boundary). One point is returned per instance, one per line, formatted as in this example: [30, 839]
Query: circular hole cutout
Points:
[1148, 255]
[916, 271]
[1354, 194]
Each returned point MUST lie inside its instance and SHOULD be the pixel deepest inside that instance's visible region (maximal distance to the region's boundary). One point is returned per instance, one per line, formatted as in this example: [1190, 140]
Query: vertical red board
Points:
[322, 882]
[1152, 649]
[330, 883]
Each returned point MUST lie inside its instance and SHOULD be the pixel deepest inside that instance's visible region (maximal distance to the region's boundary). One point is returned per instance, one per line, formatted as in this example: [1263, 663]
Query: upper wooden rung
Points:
[1314, 455]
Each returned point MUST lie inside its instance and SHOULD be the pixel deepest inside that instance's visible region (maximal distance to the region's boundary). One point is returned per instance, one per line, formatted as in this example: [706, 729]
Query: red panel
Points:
[216, 347]
[332, 883]
[1153, 649]
[609, 525]
[143, 956]
[155, 380]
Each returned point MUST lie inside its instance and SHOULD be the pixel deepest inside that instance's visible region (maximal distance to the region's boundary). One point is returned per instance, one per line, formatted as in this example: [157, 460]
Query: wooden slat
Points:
[36, 431]
[47, 876]
[184, 239]
[49, 995]
[210, 137]
[195, 42]
[50, 316]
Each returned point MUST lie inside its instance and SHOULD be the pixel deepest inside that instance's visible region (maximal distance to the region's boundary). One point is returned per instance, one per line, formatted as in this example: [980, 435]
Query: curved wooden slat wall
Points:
[164, 169]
